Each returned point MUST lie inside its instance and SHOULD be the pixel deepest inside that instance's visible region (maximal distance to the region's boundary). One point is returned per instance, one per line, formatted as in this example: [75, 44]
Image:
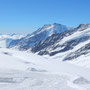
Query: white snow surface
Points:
[27, 71]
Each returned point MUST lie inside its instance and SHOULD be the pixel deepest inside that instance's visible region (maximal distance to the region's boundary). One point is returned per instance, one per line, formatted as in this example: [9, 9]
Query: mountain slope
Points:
[41, 34]
[73, 42]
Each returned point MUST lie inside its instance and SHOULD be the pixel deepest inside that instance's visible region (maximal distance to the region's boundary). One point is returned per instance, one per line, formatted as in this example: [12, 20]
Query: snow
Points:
[76, 35]
[2, 43]
[5, 39]
[79, 61]
[27, 71]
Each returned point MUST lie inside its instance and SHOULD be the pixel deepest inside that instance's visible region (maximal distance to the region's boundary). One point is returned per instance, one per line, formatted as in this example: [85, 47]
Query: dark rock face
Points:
[49, 46]
[52, 40]
[82, 51]
[69, 45]
[57, 38]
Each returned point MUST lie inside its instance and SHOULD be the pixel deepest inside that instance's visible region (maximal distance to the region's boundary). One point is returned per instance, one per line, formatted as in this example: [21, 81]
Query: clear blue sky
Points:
[25, 16]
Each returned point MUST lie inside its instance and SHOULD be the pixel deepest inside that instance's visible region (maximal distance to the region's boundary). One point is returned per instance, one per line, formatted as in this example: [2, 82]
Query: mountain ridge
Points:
[63, 43]
[41, 34]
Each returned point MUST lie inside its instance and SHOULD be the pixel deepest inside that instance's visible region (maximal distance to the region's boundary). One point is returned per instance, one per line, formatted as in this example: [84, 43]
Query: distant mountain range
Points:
[5, 39]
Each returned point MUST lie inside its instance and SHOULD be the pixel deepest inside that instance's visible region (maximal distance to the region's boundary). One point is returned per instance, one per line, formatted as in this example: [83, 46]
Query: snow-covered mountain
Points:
[6, 39]
[70, 44]
[63, 62]
[51, 29]
[41, 34]
[57, 40]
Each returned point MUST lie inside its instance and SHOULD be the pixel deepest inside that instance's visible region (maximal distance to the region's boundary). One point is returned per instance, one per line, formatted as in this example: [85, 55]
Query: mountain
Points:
[63, 62]
[6, 39]
[69, 44]
[57, 40]
[41, 34]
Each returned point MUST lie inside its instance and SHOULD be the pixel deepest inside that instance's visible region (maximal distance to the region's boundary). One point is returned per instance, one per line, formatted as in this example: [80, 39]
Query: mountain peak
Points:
[54, 27]
[42, 34]
[57, 24]
[82, 26]
[54, 24]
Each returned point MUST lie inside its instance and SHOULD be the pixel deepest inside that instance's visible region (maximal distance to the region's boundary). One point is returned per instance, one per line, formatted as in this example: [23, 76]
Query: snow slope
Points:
[27, 71]
[67, 69]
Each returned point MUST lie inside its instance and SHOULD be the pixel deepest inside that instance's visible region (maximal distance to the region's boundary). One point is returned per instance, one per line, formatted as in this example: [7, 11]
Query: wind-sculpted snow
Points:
[81, 81]
[27, 71]
[34, 81]
[40, 73]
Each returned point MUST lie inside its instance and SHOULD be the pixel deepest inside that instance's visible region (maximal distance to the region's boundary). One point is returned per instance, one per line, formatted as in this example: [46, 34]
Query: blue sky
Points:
[26, 16]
